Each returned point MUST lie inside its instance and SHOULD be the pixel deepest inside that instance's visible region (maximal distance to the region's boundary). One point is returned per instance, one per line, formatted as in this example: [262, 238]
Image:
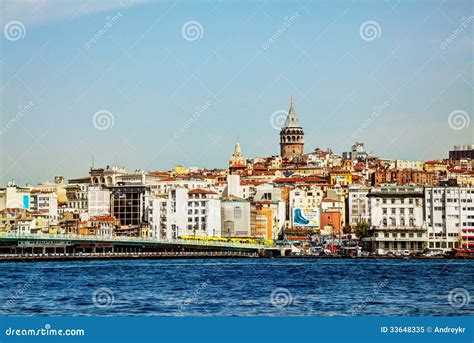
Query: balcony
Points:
[398, 228]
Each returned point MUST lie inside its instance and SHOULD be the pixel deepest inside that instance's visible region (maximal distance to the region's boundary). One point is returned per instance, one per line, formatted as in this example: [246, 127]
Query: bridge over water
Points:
[15, 243]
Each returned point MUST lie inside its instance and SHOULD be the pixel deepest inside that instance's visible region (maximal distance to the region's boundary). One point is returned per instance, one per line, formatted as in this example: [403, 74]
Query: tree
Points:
[362, 229]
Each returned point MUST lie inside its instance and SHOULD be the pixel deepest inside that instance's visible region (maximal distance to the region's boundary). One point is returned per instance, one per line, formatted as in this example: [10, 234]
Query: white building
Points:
[448, 212]
[26, 225]
[184, 212]
[358, 204]
[402, 165]
[234, 189]
[45, 202]
[14, 197]
[396, 220]
[267, 191]
[305, 197]
[98, 203]
[165, 185]
[235, 218]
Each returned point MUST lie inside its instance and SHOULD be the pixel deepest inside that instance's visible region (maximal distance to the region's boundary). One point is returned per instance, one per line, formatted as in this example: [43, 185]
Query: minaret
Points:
[291, 136]
[237, 157]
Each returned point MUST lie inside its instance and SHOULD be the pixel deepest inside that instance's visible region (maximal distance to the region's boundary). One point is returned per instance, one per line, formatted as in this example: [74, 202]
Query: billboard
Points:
[305, 216]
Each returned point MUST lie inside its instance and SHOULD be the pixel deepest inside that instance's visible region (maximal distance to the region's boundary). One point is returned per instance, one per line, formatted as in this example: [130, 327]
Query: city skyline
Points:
[174, 97]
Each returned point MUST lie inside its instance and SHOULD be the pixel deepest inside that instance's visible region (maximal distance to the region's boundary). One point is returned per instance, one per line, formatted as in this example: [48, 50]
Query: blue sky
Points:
[187, 101]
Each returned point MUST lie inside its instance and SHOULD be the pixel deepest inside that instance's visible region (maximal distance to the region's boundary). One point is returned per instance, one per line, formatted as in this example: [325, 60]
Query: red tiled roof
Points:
[11, 210]
[329, 200]
[235, 166]
[299, 179]
[259, 167]
[200, 191]
[103, 219]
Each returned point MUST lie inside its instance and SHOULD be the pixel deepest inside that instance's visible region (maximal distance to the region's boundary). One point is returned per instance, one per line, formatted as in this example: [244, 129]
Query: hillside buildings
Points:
[318, 196]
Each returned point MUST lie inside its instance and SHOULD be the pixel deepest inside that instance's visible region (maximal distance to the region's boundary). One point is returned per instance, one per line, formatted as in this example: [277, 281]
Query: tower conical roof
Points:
[291, 120]
[237, 149]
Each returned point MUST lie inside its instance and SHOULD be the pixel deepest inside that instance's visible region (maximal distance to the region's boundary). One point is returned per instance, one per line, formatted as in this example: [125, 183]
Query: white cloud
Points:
[37, 12]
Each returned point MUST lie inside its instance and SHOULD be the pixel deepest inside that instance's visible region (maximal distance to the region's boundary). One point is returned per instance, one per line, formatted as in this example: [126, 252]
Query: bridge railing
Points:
[123, 239]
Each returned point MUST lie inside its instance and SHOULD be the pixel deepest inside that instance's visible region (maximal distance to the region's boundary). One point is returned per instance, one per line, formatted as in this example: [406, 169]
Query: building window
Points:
[237, 213]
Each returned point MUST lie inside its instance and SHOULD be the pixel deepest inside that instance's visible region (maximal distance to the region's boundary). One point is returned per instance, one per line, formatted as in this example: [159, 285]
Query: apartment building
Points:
[449, 212]
[358, 205]
[396, 220]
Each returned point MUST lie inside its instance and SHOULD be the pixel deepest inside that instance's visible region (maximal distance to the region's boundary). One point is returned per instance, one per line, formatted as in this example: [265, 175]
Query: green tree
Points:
[362, 229]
